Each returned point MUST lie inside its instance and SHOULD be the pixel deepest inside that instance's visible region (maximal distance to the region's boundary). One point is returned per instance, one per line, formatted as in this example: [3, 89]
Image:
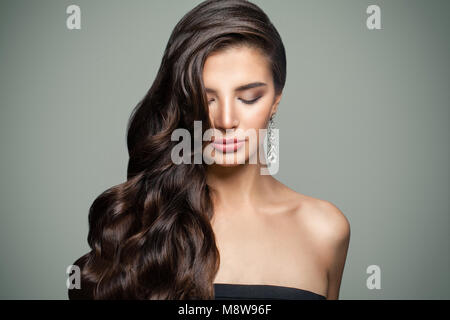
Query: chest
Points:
[267, 251]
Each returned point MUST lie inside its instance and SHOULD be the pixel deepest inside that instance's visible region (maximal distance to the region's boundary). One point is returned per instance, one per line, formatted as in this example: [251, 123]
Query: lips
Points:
[228, 140]
[228, 144]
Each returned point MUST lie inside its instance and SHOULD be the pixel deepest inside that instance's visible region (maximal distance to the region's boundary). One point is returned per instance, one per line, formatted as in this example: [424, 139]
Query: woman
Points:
[222, 230]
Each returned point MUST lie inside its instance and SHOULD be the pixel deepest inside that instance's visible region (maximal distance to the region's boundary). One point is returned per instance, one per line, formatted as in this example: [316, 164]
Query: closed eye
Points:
[250, 101]
[244, 101]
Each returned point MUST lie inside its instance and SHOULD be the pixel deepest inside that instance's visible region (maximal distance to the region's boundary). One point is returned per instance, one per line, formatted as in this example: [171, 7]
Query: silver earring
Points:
[271, 142]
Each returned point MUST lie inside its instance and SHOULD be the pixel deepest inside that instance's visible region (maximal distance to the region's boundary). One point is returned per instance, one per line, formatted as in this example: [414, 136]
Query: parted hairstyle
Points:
[150, 237]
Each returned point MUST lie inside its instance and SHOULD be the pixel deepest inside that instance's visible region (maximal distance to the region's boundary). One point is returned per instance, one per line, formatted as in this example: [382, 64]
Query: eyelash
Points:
[246, 101]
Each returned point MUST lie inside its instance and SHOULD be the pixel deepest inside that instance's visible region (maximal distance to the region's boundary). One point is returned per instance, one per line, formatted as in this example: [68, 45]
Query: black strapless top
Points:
[231, 291]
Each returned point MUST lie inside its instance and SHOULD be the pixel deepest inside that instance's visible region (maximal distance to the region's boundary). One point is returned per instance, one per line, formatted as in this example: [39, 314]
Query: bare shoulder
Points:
[325, 221]
[320, 219]
[328, 231]
[330, 234]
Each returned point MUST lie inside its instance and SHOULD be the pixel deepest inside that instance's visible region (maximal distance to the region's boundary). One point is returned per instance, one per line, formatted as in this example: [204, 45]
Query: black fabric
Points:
[229, 291]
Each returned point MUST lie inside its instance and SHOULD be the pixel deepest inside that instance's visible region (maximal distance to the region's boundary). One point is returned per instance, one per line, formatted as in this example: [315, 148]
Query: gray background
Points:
[364, 123]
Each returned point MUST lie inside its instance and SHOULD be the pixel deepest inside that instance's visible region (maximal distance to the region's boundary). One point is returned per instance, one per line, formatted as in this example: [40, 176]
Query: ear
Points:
[276, 103]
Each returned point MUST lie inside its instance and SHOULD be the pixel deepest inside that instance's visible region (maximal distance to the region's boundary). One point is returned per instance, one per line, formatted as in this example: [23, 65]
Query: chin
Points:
[229, 164]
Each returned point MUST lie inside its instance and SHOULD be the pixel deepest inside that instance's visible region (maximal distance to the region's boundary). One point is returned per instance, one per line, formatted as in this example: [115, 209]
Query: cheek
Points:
[255, 119]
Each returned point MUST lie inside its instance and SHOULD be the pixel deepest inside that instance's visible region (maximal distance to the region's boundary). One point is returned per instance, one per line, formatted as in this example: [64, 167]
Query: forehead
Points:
[235, 66]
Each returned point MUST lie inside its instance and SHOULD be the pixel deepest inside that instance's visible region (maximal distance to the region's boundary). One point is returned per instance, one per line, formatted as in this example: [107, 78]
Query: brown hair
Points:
[151, 236]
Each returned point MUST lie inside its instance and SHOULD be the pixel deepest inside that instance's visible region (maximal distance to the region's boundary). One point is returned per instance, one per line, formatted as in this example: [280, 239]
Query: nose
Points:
[225, 116]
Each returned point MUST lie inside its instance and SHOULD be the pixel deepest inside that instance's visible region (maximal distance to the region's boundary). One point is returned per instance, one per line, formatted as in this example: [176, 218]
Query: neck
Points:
[236, 187]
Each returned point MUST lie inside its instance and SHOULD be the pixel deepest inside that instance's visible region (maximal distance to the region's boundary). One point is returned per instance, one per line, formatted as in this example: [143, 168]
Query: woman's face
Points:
[241, 98]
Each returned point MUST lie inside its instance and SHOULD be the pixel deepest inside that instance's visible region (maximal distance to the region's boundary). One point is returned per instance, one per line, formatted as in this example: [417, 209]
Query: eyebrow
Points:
[241, 88]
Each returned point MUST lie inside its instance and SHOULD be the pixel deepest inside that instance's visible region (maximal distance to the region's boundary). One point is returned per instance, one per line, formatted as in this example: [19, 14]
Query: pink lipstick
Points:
[228, 144]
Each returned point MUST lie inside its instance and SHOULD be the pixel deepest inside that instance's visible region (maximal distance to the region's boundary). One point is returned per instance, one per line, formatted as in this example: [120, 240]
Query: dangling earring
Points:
[271, 142]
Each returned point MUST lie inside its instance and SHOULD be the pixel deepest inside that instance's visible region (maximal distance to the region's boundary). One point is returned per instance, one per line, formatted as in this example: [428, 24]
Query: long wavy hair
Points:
[151, 236]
